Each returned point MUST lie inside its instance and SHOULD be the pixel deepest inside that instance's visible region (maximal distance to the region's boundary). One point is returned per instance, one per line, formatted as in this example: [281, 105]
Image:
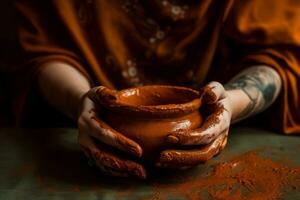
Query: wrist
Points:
[238, 101]
[77, 103]
[63, 86]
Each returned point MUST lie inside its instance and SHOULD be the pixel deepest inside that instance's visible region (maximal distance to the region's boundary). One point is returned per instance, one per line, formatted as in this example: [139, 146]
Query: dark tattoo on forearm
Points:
[261, 84]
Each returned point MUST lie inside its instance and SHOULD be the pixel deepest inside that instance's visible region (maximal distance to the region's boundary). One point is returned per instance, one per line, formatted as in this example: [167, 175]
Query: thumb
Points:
[101, 95]
[212, 92]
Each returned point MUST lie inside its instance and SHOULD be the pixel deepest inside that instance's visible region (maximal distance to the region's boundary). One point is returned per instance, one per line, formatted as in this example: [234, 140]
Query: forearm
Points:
[252, 91]
[63, 86]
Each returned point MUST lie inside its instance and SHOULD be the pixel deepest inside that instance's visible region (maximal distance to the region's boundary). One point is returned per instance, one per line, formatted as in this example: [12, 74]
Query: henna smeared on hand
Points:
[207, 94]
[114, 164]
[209, 131]
[103, 92]
[96, 137]
[209, 139]
[116, 139]
[183, 158]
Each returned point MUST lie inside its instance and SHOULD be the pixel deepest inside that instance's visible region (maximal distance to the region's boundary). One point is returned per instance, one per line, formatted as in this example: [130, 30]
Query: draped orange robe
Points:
[124, 43]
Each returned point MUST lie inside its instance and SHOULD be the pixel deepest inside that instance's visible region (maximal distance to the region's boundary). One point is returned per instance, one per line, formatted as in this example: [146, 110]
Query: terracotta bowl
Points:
[148, 114]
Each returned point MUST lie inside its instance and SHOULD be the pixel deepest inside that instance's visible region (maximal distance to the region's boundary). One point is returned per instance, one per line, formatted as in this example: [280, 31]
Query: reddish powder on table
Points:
[246, 177]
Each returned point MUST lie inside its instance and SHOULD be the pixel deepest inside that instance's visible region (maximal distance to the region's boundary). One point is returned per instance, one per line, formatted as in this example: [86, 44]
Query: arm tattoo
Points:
[261, 84]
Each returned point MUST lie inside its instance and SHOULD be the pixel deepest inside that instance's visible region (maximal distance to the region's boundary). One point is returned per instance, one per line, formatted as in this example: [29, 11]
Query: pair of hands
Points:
[208, 140]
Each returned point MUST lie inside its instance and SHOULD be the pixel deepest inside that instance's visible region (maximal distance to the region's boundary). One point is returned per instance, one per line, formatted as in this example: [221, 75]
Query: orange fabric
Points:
[270, 31]
[121, 44]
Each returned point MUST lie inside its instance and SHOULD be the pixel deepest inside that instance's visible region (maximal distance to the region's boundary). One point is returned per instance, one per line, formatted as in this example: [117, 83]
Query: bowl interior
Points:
[157, 95]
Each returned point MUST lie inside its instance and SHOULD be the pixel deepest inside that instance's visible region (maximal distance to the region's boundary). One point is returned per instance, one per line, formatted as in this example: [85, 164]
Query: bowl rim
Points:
[165, 110]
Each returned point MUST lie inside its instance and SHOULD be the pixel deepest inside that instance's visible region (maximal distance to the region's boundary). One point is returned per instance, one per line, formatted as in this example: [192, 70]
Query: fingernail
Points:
[172, 139]
[135, 151]
[130, 148]
[167, 157]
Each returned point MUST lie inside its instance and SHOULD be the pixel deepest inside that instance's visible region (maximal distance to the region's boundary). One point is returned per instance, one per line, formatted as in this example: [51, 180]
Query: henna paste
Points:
[192, 157]
[208, 95]
[111, 163]
[247, 176]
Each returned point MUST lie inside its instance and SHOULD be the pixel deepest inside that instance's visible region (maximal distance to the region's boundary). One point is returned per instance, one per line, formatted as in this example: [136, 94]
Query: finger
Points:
[89, 148]
[184, 158]
[109, 136]
[213, 126]
[89, 156]
[101, 94]
[107, 162]
[224, 142]
[117, 165]
[110, 172]
[213, 92]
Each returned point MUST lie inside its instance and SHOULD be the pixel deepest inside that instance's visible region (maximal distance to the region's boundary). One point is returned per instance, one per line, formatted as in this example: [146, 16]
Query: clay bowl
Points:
[148, 114]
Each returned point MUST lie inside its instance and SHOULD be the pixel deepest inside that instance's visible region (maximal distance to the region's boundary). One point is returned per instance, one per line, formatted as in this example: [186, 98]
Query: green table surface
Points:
[47, 164]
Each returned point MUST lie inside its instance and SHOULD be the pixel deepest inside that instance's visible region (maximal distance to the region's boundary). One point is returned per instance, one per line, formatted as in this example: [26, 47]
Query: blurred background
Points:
[8, 51]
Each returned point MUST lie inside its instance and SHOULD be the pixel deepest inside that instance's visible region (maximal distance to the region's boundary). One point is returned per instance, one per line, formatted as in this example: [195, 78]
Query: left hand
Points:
[209, 139]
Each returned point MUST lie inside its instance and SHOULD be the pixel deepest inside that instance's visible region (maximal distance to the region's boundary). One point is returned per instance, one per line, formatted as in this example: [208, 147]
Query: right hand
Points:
[92, 128]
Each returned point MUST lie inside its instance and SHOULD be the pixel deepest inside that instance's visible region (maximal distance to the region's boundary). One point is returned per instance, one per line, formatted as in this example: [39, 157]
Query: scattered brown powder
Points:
[208, 94]
[246, 177]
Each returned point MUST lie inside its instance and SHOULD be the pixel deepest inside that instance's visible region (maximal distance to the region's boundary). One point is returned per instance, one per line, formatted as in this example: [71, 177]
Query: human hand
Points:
[92, 129]
[206, 141]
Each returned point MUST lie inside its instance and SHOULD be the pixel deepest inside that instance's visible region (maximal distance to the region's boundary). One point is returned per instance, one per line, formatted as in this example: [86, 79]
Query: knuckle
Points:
[209, 138]
[215, 84]
[166, 157]
[111, 161]
[186, 138]
[204, 138]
